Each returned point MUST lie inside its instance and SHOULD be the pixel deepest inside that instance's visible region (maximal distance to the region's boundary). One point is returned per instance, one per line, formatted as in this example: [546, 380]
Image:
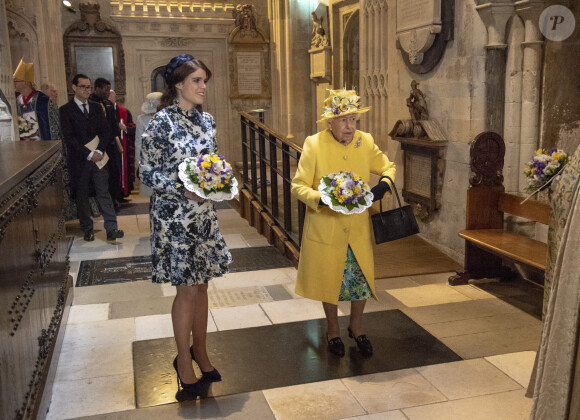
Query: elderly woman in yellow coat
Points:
[336, 254]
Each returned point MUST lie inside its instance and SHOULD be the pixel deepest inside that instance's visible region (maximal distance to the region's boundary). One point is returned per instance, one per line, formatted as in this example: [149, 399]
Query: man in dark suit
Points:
[81, 120]
[100, 94]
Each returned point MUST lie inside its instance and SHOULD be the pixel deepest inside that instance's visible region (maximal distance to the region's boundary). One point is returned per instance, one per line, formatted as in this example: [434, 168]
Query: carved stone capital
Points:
[495, 16]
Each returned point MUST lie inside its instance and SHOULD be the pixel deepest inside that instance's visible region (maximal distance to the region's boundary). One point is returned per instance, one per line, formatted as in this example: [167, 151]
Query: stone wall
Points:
[561, 90]
[454, 91]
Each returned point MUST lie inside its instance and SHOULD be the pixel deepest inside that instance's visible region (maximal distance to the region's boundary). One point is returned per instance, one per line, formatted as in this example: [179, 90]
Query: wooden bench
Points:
[487, 244]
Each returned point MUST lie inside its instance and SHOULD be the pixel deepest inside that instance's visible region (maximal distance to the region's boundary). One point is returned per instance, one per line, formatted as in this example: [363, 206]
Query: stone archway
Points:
[23, 42]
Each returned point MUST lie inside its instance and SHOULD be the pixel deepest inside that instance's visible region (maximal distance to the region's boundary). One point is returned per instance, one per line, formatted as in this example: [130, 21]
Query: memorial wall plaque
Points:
[417, 179]
[423, 29]
[249, 73]
[96, 62]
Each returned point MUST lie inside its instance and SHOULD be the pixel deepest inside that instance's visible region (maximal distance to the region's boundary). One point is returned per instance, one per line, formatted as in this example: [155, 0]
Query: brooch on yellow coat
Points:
[358, 142]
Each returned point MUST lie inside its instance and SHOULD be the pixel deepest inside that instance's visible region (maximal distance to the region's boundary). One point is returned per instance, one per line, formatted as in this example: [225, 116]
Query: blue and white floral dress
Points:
[186, 244]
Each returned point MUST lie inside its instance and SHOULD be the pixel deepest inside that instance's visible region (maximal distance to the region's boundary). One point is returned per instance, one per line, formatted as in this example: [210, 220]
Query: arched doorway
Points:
[157, 80]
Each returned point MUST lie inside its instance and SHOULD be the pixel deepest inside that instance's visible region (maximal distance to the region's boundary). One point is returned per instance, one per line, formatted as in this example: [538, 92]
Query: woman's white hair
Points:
[151, 103]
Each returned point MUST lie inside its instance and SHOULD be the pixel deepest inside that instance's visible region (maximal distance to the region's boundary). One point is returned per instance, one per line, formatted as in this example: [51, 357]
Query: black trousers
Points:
[115, 168]
[99, 178]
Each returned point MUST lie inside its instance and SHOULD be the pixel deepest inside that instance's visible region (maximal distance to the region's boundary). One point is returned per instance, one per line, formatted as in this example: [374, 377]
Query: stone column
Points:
[7, 126]
[374, 27]
[529, 11]
[290, 28]
[495, 16]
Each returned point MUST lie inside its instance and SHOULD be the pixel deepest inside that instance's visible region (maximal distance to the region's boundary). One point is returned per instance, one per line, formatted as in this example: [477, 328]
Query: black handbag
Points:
[394, 224]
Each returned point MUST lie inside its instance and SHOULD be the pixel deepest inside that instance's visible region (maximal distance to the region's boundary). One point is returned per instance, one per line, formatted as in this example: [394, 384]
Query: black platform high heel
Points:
[192, 390]
[212, 375]
[362, 342]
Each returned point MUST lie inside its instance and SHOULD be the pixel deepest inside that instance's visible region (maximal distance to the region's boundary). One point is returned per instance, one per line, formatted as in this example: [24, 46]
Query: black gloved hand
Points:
[379, 190]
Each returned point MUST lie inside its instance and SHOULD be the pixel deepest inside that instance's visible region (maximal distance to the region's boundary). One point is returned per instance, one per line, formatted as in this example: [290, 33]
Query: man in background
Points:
[100, 94]
[127, 136]
[49, 89]
[84, 122]
[37, 116]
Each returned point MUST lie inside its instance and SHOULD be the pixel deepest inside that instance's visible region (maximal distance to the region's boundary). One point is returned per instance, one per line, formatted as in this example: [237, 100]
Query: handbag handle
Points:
[396, 195]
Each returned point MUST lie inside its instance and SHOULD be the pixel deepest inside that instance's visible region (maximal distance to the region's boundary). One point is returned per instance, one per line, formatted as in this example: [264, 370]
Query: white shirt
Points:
[82, 108]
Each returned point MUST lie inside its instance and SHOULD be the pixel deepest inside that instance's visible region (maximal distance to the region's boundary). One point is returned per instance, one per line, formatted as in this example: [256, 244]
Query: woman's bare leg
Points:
[199, 328]
[357, 308]
[182, 314]
[331, 312]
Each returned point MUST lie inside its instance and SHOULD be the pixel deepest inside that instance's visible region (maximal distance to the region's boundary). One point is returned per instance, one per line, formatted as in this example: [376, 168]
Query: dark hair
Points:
[179, 74]
[75, 80]
[101, 82]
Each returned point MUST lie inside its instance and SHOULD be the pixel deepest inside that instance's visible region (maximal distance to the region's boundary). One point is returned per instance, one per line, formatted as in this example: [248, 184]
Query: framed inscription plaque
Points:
[96, 62]
[423, 29]
[249, 72]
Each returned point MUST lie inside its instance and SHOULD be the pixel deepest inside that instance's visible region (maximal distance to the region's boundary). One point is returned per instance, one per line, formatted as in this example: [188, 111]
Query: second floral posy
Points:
[209, 176]
[345, 193]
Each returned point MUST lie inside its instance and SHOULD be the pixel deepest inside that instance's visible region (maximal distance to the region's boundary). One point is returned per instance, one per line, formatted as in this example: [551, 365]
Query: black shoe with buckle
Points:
[114, 234]
[89, 235]
[363, 343]
[336, 346]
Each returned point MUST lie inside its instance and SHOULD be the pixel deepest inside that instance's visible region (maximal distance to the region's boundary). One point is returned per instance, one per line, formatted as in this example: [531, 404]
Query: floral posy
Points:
[345, 192]
[545, 164]
[209, 176]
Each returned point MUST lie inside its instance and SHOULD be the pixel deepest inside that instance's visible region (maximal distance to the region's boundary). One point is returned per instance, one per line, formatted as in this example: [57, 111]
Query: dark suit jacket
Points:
[77, 130]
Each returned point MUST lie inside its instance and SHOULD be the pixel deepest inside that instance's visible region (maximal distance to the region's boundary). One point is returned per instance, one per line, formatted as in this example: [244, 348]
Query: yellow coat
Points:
[327, 233]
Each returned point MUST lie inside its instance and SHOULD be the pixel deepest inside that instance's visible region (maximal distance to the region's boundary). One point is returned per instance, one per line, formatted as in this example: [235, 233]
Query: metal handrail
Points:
[263, 149]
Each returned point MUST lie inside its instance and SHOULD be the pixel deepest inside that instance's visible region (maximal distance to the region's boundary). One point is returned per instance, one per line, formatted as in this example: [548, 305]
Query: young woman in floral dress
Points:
[188, 249]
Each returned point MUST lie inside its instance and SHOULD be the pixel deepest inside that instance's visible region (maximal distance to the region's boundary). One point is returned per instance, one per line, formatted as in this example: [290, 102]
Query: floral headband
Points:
[174, 63]
[341, 102]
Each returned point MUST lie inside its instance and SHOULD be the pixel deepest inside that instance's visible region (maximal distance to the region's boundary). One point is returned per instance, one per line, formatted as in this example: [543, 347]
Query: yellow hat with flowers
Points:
[24, 71]
[341, 102]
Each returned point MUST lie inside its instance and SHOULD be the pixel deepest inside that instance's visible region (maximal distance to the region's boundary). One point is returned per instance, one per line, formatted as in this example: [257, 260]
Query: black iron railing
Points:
[269, 162]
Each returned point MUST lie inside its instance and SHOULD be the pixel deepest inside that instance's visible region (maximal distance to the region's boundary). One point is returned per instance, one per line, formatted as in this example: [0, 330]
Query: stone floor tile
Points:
[233, 318]
[235, 240]
[80, 314]
[483, 324]
[435, 278]
[428, 295]
[389, 415]
[238, 297]
[255, 278]
[473, 292]
[293, 310]
[87, 397]
[244, 406]
[85, 362]
[387, 391]
[278, 292]
[517, 366]
[491, 343]
[394, 283]
[425, 315]
[102, 333]
[141, 307]
[467, 378]
[501, 406]
[117, 292]
[318, 400]
[153, 326]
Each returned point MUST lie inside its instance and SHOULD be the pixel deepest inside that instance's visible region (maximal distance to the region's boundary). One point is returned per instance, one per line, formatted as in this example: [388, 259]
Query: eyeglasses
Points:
[84, 86]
